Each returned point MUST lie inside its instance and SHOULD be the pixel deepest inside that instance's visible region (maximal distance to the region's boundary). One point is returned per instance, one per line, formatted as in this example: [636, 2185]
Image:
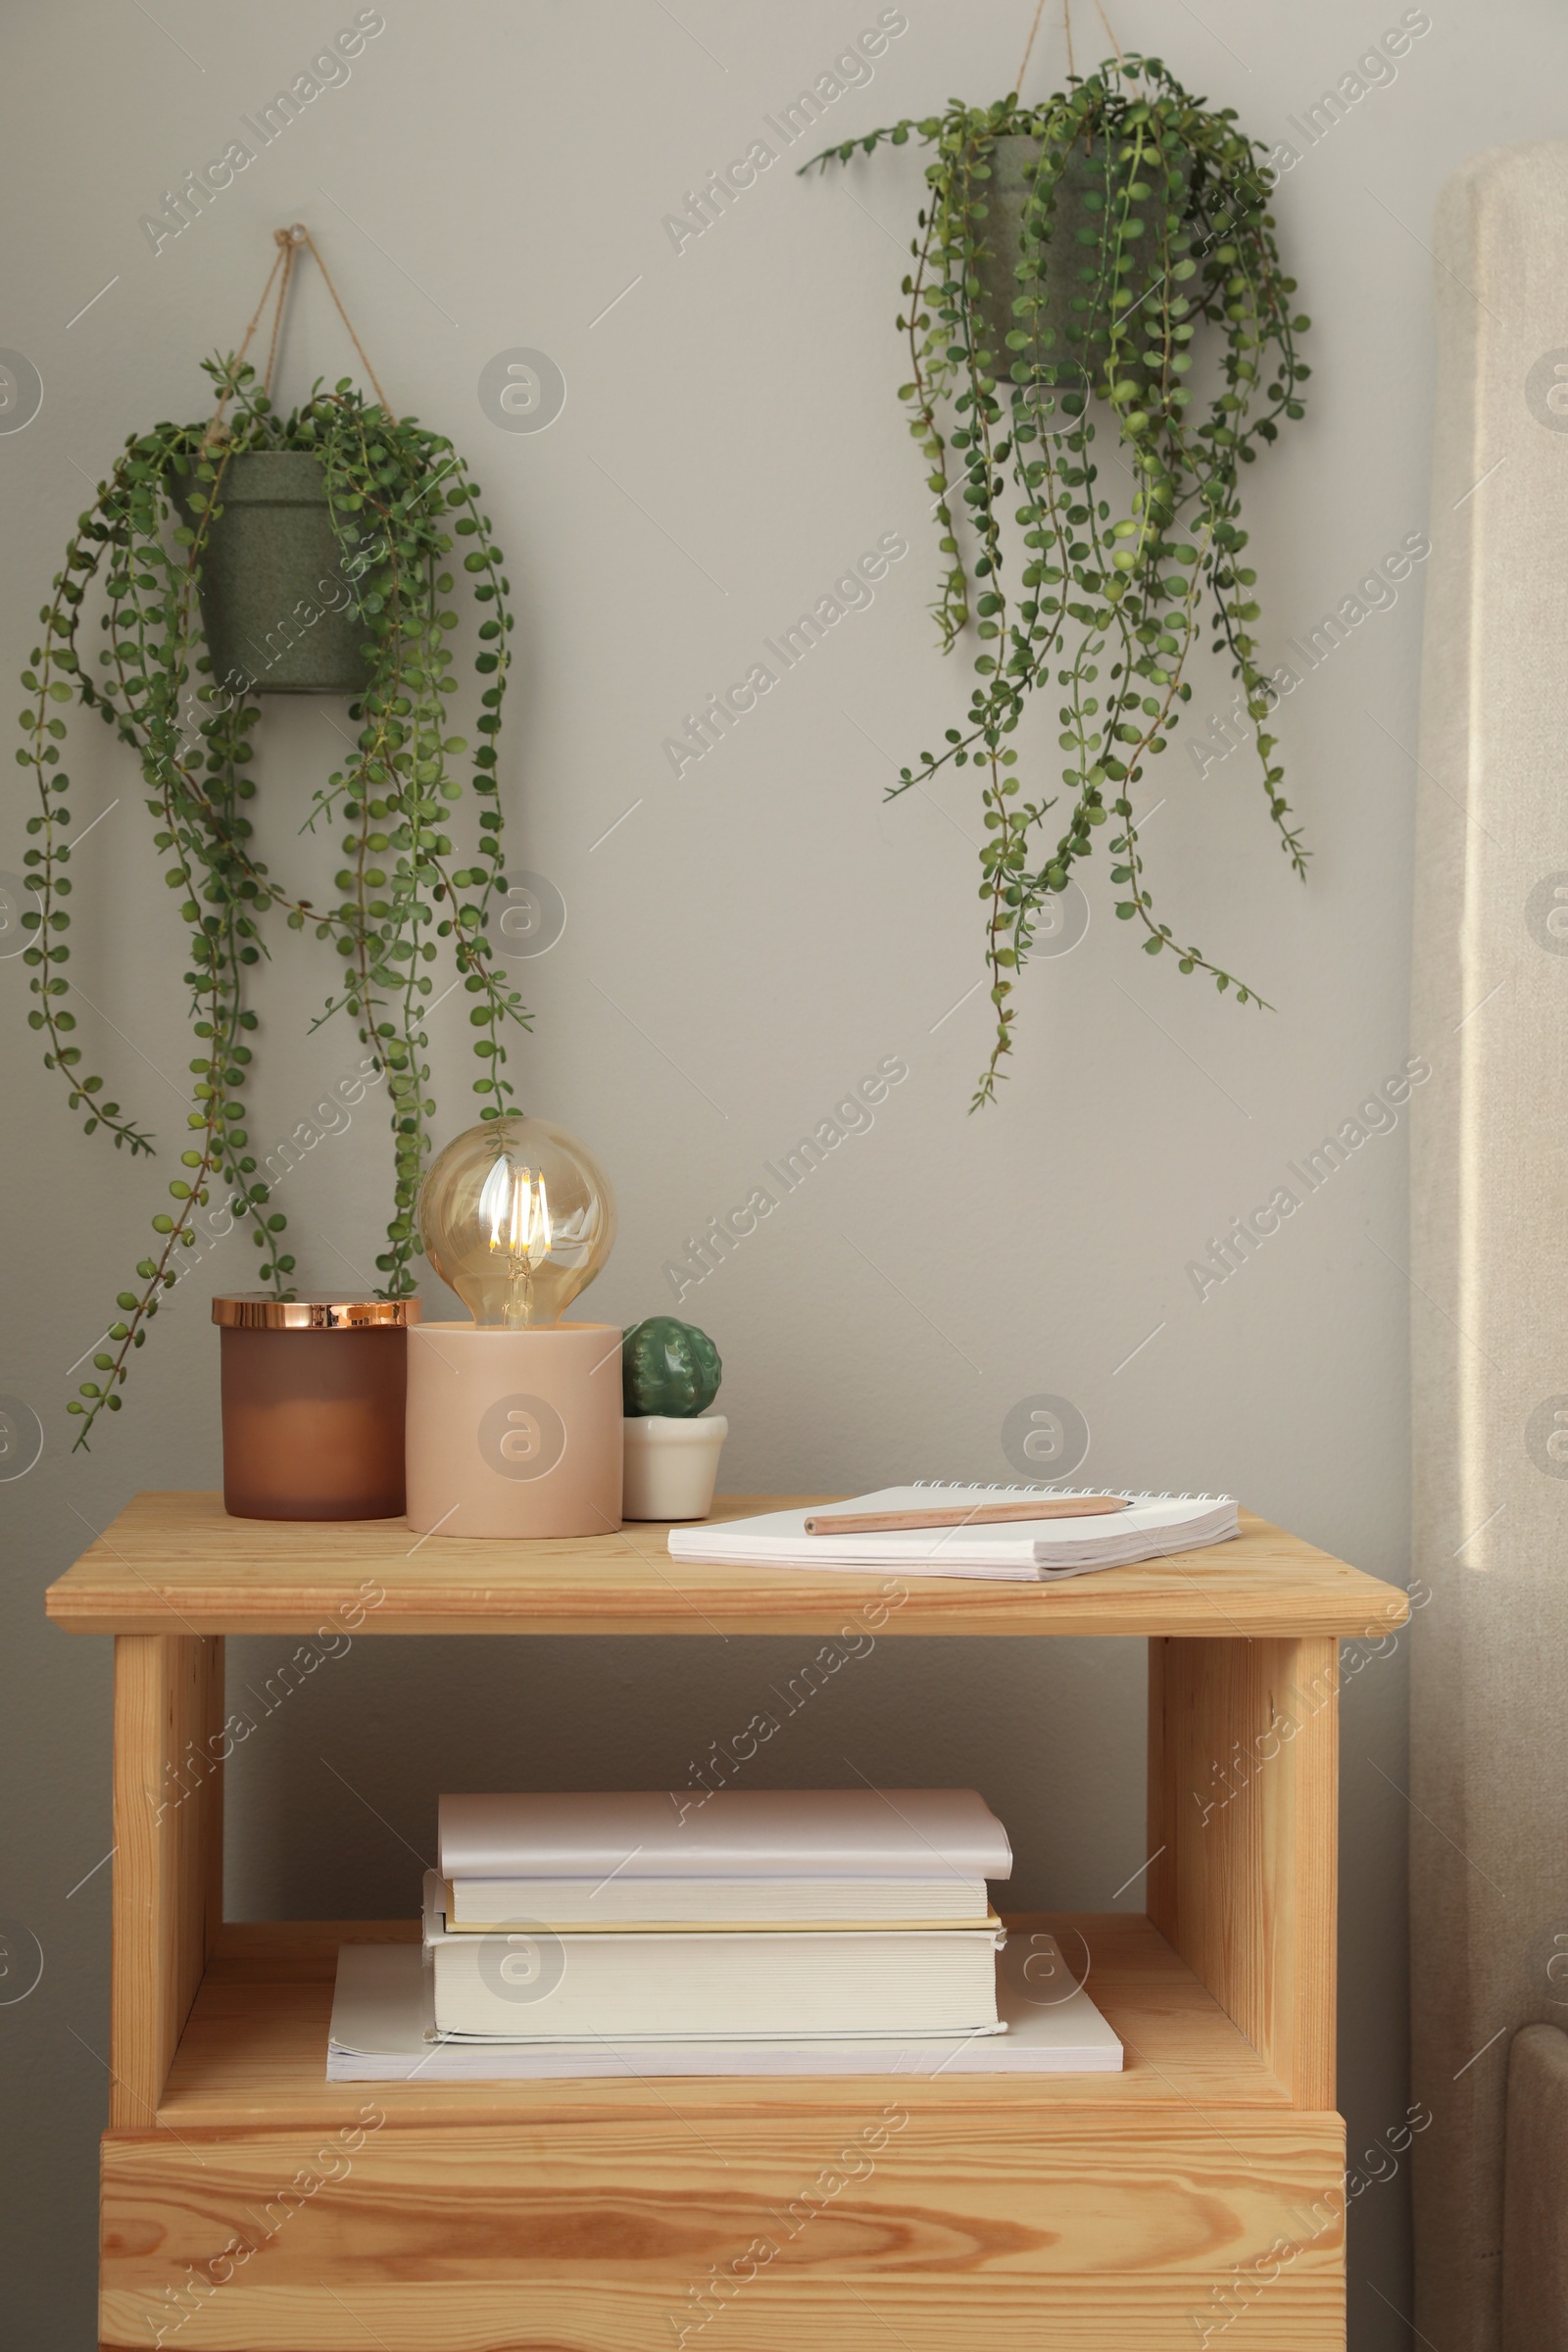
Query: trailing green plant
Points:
[398, 495]
[1173, 235]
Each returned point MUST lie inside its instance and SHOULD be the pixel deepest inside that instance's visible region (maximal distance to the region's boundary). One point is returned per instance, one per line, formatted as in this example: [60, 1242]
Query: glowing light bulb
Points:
[518, 1217]
[515, 1209]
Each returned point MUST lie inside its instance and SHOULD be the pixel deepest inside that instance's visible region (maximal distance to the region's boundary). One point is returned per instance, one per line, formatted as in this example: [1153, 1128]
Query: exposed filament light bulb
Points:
[518, 1217]
[514, 1209]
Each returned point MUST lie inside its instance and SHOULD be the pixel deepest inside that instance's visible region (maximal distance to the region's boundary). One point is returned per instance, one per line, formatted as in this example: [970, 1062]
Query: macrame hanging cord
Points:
[1067, 26]
[289, 242]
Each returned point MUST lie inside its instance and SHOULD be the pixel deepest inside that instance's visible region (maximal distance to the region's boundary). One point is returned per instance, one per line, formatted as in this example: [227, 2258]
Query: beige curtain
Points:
[1490, 1227]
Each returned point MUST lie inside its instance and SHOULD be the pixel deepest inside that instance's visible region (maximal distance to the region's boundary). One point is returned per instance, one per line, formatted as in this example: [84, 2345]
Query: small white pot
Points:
[671, 1465]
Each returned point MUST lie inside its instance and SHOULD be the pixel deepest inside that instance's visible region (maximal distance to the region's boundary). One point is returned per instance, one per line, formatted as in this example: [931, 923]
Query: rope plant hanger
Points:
[1073, 259]
[395, 497]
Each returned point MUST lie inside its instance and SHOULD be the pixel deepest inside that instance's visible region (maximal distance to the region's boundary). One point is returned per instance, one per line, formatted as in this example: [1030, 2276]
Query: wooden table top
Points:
[175, 1563]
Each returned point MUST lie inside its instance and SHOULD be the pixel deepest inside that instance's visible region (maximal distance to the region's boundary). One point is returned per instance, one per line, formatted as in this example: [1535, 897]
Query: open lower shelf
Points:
[253, 2048]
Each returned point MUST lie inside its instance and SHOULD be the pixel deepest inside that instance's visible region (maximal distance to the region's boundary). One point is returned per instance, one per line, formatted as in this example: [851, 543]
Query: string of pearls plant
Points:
[1142, 225]
[398, 495]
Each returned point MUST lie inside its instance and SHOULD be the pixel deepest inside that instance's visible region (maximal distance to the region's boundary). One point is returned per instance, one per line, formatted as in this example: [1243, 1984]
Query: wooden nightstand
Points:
[248, 2203]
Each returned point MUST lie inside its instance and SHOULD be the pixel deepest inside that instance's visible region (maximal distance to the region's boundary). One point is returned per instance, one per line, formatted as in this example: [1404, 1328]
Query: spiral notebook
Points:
[1023, 1550]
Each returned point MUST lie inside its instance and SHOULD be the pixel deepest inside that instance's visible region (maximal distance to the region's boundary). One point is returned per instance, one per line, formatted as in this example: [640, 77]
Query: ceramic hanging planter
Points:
[278, 601]
[1069, 340]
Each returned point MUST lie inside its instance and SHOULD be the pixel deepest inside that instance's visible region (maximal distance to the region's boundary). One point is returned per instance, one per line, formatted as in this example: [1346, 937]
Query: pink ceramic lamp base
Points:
[515, 1433]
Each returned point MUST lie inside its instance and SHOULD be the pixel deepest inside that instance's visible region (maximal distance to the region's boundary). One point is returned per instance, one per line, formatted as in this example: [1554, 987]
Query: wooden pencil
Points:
[983, 1514]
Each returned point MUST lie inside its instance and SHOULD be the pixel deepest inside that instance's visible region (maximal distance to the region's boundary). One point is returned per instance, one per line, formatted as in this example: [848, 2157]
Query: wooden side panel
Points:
[1243, 1813]
[169, 1845]
[504, 2239]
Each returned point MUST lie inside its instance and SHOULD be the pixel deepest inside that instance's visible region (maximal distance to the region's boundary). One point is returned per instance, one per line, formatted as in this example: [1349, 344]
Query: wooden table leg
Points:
[168, 1853]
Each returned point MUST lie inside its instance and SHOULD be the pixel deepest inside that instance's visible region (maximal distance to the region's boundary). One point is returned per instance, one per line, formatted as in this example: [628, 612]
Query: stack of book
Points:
[756, 1913]
[697, 1932]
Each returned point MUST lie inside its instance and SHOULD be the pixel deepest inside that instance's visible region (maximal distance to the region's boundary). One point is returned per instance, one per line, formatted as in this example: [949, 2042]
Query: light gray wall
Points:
[754, 938]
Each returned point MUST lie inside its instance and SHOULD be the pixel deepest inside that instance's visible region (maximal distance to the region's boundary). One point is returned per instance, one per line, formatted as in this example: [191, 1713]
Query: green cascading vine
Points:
[1172, 237]
[398, 495]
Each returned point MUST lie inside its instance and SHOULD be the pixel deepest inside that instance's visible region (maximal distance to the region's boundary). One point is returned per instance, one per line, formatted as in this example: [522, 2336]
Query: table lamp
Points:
[514, 1419]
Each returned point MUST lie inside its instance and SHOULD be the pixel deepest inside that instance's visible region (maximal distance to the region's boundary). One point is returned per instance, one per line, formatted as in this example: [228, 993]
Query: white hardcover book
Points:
[383, 2031]
[776, 1985]
[725, 1834]
[1019, 1550]
[475, 1904]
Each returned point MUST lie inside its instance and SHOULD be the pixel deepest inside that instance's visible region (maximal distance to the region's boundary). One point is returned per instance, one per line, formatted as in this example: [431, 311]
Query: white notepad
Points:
[382, 2017]
[1021, 1550]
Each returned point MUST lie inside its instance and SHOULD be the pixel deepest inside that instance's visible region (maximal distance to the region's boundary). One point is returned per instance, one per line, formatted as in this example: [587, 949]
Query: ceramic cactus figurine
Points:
[669, 1368]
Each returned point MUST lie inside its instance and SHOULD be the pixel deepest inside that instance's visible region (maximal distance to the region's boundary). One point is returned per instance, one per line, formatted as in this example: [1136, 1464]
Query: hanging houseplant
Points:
[1074, 258]
[389, 497]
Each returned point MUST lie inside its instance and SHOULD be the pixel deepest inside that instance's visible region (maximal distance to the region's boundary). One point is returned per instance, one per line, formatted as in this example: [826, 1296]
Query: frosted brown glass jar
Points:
[313, 1399]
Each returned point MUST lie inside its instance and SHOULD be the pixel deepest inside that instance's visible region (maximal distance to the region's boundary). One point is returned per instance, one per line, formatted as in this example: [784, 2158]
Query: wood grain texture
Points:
[861, 2186]
[866, 2208]
[178, 1563]
[255, 2049]
[1196, 2197]
[1301, 2312]
[1243, 1815]
[167, 1903]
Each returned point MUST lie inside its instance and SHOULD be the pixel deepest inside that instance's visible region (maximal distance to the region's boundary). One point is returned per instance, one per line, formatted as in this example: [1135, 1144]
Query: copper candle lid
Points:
[258, 1310]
